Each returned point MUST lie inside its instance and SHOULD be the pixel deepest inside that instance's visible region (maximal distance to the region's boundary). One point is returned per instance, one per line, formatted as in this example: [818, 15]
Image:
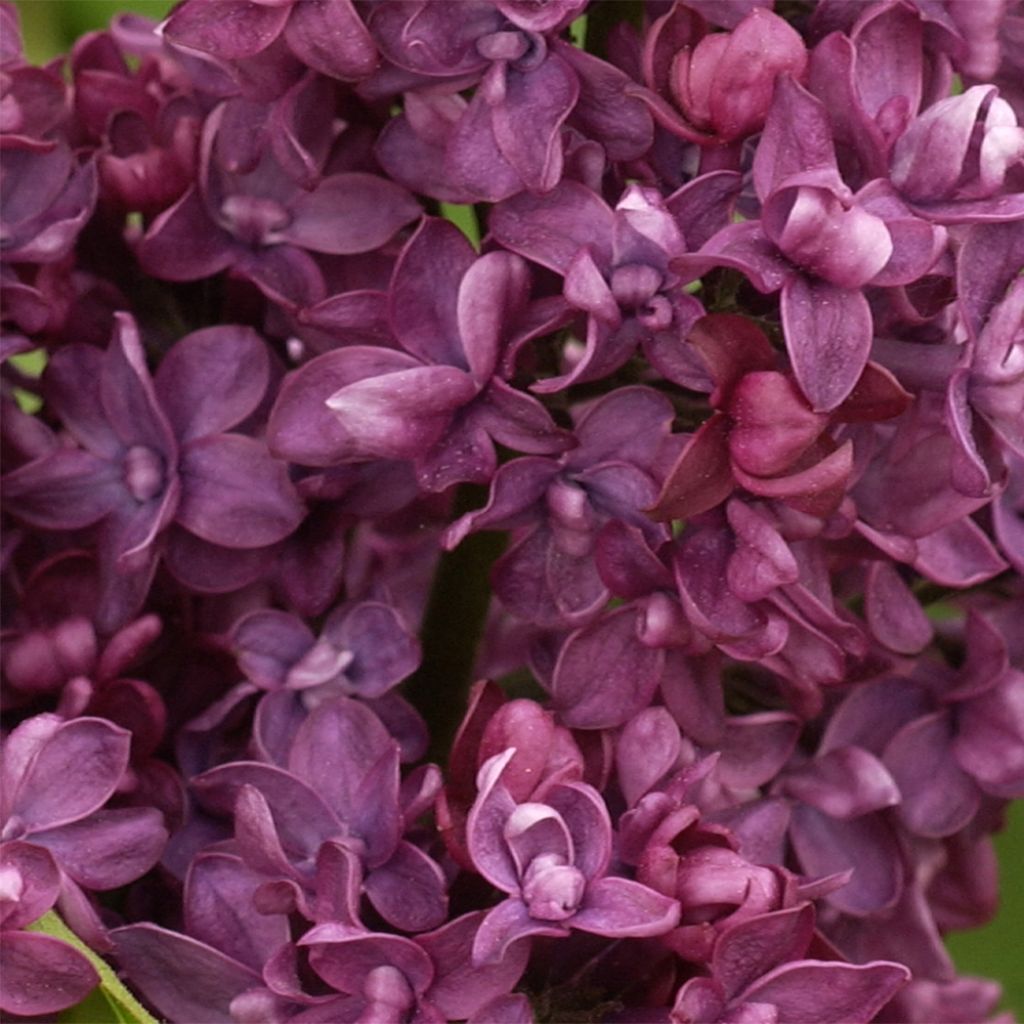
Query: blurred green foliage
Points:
[51, 26]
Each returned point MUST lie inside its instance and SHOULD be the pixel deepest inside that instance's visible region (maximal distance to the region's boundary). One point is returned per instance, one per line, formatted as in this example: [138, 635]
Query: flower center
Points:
[144, 472]
[552, 890]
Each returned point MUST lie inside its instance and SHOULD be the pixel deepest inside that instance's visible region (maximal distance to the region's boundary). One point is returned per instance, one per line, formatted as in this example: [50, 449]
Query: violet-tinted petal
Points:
[267, 643]
[866, 845]
[817, 992]
[384, 650]
[518, 421]
[745, 247]
[302, 428]
[349, 213]
[408, 891]
[182, 978]
[302, 818]
[959, 555]
[92, 751]
[459, 989]
[604, 675]
[336, 748]
[762, 560]
[828, 335]
[219, 910]
[605, 110]
[506, 924]
[257, 839]
[755, 748]
[210, 380]
[109, 848]
[42, 975]
[235, 494]
[287, 275]
[210, 568]
[618, 907]
[584, 813]
[938, 798]
[485, 826]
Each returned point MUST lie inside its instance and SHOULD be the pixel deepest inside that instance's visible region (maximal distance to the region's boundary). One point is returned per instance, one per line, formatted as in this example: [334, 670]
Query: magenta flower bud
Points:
[725, 84]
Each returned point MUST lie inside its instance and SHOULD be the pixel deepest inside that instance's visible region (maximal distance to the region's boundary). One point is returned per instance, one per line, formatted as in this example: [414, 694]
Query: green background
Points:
[51, 26]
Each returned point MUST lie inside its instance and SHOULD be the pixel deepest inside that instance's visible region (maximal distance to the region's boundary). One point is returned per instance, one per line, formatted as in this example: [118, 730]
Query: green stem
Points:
[452, 629]
[128, 1008]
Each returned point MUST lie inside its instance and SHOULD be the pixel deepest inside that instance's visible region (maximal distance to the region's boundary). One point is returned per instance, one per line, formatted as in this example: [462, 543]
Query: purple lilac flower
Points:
[155, 455]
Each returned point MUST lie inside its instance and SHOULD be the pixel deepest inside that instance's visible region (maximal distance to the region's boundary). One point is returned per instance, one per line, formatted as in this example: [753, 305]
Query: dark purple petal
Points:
[828, 335]
[182, 978]
[65, 490]
[399, 415]
[344, 957]
[330, 38]
[796, 139]
[528, 118]
[38, 763]
[109, 848]
[505, 925]
[349, 213]
[459, 989]
[183, 244]
[71, 381]
[844, 783]
[235, 494]
[938, 797]
[893, 613]
[755, 946]
[42, 974]
[211, 380]
[219, 910]
[408, 891]
[618, 907]
[816, 992]
[234, 30]
[336, 748]
[604, 675]
[425, 290]
[989, 742]
[646, 751]
[301, 817]
[32, 883]
[866, 846]
[551, 229]
[492, 295]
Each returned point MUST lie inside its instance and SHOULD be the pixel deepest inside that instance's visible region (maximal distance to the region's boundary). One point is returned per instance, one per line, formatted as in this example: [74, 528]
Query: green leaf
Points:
[464, 218]
[111, 1002]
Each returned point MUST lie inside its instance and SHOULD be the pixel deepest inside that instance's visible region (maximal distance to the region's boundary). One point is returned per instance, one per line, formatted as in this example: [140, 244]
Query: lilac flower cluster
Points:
[615, 617]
